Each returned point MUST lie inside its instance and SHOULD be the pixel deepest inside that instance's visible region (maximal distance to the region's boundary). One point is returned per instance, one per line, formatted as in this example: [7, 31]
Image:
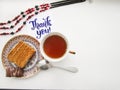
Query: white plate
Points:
[31, 68]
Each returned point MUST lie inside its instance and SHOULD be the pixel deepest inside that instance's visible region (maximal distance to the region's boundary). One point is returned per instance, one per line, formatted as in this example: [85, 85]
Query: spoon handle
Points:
[70, 69]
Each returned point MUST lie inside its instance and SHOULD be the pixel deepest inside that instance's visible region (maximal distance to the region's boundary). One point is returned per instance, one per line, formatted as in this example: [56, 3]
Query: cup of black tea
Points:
[54, 47]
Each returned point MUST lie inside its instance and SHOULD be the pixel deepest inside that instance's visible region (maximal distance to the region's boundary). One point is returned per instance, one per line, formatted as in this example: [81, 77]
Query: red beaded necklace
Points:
[28, 14]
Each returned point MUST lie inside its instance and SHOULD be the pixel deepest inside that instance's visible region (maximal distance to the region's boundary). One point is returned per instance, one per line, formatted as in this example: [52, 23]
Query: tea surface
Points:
[55, 46]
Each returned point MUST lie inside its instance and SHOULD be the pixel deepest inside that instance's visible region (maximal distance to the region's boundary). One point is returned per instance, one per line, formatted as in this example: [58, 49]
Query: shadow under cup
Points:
[54, 47]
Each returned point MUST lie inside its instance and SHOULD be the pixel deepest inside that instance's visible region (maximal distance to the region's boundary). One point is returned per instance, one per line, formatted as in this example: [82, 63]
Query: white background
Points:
[93, 31]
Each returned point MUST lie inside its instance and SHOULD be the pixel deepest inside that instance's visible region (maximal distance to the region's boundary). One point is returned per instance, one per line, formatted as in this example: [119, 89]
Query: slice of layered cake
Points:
[21, 54]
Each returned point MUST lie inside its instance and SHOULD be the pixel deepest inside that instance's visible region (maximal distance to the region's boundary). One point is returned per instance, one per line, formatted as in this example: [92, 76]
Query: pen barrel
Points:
[65, 2]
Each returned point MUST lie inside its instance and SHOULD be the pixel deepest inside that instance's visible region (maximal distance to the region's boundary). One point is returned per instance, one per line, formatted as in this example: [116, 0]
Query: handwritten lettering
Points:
[41, 27]
[43, 31]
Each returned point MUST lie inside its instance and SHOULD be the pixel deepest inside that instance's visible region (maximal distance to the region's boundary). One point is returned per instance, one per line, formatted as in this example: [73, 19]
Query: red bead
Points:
[4, 33]
[17, 21]
[29, 17]
[4, 28]
[19, 28]
[3, 23]
[16, 18]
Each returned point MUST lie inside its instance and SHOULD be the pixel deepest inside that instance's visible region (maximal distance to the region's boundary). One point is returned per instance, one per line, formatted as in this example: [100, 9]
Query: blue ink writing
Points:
[41, 27]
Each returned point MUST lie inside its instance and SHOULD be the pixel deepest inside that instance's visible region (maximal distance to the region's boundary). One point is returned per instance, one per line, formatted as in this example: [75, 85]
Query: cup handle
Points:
[72, 52]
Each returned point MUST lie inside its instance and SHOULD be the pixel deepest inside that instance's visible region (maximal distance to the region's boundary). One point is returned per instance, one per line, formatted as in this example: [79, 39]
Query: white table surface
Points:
[93, 31]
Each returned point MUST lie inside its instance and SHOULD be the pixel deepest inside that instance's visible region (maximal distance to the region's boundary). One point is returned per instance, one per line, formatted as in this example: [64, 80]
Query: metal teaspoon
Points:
[49, 65]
